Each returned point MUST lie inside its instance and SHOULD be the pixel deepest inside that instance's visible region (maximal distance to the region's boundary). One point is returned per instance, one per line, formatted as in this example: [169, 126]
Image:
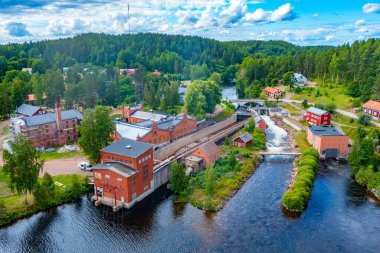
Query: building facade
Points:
[329, 142]
[260, 123]
[317, 116]
[125, 174]
[243, 140]
[49, 129]
[209, 152]
[273, 92]
[372, 108]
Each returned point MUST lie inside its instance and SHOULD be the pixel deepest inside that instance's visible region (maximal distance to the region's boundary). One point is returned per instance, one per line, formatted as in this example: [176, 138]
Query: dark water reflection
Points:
[339, 218]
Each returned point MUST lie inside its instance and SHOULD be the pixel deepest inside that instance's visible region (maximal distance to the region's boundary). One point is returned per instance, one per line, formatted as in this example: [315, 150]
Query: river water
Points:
[339, 218]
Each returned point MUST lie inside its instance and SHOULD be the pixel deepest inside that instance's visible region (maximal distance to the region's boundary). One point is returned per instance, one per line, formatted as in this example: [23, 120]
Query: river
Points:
[339, 218]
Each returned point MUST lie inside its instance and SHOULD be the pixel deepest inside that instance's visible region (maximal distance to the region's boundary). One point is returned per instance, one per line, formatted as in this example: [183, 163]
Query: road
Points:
[354, 116]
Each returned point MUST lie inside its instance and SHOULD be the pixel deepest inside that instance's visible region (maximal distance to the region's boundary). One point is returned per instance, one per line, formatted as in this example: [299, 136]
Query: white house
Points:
[301, 80]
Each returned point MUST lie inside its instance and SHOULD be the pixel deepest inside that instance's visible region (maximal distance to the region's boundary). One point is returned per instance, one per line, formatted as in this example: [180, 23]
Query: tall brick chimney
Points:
[58, 116]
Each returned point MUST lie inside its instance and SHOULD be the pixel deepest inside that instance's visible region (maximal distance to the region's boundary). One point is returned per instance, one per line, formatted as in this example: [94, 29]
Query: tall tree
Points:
[95, 132]
[54, 86]
[23, 165]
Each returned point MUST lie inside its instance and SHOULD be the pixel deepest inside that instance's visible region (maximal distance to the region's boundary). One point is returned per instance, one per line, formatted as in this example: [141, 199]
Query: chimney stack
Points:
[58, 116]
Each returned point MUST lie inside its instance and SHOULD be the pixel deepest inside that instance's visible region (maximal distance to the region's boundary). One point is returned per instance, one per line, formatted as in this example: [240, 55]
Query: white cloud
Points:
[315, 15]
[234, 12]
[282, 13]
[371, 8]
[360, 22]
[67, 27]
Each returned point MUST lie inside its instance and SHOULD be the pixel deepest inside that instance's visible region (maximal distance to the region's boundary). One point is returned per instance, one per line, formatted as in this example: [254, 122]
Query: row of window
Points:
[120, 160]
[145, 158]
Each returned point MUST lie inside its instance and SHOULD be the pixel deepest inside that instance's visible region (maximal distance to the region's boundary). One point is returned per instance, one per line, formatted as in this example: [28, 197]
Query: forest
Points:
[92, 62]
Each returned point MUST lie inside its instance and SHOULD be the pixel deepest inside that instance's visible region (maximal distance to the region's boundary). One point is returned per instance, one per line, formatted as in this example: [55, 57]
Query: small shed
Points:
[243, 140]
[209, 151]
[260, 123]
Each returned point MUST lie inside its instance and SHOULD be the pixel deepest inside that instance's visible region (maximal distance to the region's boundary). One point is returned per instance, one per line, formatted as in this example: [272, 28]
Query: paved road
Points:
[354, 116]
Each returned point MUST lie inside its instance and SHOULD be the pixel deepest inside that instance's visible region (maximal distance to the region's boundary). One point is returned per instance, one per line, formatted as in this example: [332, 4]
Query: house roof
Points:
[128, 147]
[374, 105]
[148, 115]
[210, 149]
[117, 167]
[325, 131]
[246, 137]
[273, 89]
[316, 111]
[130, 131]
[27, 110]
[48, 118]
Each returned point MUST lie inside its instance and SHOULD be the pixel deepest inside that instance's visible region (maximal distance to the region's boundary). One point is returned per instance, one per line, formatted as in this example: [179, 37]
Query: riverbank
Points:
[67, 188]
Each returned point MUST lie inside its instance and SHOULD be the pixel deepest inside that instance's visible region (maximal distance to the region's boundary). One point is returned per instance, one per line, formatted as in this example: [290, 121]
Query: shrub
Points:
[364, 176]
[178, 180]
[293, 201]
[311, 151]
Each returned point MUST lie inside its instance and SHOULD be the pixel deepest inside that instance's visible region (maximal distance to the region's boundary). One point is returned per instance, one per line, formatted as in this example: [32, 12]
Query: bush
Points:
[364, 176]
[330, 107]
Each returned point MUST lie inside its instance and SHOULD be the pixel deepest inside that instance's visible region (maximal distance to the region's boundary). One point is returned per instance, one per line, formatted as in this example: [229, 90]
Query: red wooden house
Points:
[243, 140]
[273, 92]
[260, 123]
[317, 116]
[125, 174]
[372, 108]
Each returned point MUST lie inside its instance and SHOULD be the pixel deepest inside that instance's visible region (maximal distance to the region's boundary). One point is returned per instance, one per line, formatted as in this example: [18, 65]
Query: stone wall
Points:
[170, 150]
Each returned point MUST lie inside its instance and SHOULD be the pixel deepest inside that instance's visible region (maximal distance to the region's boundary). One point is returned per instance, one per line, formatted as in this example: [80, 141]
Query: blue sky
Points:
[303, 22]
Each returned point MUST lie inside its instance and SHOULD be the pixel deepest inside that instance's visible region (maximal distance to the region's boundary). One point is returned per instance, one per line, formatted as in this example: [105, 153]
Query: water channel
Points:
[340, 218]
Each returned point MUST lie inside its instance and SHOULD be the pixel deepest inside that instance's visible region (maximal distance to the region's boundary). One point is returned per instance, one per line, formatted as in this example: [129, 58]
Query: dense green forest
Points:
[94, 59]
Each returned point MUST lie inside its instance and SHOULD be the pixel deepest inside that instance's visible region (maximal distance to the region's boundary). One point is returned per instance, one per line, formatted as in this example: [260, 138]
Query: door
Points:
[332, 153]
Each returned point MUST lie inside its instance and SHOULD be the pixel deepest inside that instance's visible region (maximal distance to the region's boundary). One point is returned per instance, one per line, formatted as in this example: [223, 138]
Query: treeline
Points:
[356, 67]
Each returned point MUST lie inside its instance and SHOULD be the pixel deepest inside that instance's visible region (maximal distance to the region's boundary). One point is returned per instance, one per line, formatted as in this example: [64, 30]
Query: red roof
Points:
[273, 89]
[374, 105]
[158, 73]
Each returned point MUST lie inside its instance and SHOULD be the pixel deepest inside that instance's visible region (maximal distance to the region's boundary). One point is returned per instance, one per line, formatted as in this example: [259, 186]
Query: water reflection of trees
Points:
[356, 195]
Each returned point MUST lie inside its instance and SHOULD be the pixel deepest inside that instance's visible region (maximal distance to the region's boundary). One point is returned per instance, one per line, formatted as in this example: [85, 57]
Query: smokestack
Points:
[58, 116]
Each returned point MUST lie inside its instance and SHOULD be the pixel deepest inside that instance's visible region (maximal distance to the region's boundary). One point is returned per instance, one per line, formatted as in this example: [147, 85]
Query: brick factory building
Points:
[329, 142]
[125, 174]
[48, 129]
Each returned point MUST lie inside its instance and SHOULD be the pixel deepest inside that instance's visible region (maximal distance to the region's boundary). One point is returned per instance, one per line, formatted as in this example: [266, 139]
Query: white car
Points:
[85, 166]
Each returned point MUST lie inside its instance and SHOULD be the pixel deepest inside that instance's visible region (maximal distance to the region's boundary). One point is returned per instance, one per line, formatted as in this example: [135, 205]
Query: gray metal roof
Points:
[131, 131]
[246, 137]
[316, 111]
[128, 147]
[325, 131]
[48, 118]
[117, 167]
[27, 110]
[148, 115]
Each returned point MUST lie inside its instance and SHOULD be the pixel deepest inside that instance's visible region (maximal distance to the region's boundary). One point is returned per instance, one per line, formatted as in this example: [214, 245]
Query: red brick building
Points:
[209, 151]
[243, 140]
[273, 92]
[372, 108]
[136, 114]
[161, 132]
[317, 116]
[27, 110]
[125, 174]
[49, 129]
[329, 142]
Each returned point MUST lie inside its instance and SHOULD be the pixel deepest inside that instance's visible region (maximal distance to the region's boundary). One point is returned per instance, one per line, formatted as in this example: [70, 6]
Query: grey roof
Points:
[325, 131]
[128, 147]
[316, 111]
[48, 118]
[148, 115]
[145, 123]
[27, 110]
[131, 131]
[246, 137]
[117, 167]
[169, 122]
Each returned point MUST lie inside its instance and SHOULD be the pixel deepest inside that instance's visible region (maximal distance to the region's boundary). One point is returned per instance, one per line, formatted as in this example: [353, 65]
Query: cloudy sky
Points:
[303, 22]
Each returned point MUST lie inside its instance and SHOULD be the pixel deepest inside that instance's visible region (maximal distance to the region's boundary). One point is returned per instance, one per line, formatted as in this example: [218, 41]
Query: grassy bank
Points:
[301, 141]
[12, 205]
[296, 198]
[212, 187]
[56, 155]
[227, 112]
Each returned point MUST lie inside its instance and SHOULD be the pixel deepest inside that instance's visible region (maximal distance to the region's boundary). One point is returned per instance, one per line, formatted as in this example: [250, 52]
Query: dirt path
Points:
[65, 166]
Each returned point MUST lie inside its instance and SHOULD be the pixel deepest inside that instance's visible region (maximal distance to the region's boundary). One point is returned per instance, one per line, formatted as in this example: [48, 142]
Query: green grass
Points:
[5, 130]
[334, 95]
[56, 155]
[291, 109]
[301, 141]
[227, 112]
[115, 116]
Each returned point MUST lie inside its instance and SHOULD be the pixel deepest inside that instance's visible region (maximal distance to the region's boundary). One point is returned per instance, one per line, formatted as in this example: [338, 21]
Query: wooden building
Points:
[372, 108]
[317, 116]
[243, 140]
[273, 92]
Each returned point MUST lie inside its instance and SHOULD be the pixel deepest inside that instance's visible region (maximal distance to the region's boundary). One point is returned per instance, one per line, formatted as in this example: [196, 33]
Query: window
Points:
[98, 175]
[134, 182]
[145, 172]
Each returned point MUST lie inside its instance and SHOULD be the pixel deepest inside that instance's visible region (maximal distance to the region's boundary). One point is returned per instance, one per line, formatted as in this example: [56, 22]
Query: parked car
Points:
[85, 166]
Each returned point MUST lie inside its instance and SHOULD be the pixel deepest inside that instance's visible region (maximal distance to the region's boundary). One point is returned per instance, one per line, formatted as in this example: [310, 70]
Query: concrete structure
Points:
[26, 110]
[194, 164]
[301, 80]
[260, 123]
[125, 174]
[243, 140]
[273, 92]
[372, 108]
[209, 151]
[49, 129]
[317, 116]
[329, 142]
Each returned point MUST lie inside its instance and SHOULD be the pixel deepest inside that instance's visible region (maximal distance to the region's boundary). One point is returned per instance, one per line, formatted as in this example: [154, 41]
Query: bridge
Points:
[279, 153]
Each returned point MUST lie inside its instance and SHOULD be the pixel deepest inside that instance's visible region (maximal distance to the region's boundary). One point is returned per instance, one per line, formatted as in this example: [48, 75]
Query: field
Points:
[301, 141]
[56, 155]
[327, 95]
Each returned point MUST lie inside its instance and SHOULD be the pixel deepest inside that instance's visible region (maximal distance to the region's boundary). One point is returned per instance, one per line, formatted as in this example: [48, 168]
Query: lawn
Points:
[56, 155]
[291, 109]
[327, 95]
[301, 141]
[115, 116]
[5, 130]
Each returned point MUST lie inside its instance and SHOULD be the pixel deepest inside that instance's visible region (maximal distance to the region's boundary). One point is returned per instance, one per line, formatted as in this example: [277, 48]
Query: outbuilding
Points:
[317, 116]
[243, 140]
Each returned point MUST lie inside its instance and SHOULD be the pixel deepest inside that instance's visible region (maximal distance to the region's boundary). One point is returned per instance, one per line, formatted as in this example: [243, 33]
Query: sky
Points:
[302, 22]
